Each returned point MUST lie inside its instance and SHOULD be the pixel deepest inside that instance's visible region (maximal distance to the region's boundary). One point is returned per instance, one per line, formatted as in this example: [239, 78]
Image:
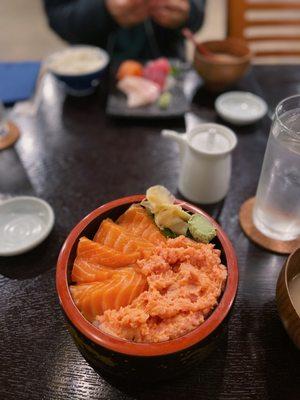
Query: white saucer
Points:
[24, 223]
[240, 108]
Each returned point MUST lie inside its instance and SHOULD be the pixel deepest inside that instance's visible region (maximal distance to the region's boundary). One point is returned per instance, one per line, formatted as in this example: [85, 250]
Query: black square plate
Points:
[117, 105]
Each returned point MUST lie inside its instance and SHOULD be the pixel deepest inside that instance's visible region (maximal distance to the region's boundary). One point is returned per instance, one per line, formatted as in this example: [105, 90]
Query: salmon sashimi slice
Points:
[137, 221]
[115, 236]
[119, 290]
[84, 272]
[99, 254]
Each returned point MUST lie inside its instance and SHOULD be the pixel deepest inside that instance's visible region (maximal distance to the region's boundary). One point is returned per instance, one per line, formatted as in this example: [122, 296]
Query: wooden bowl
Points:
[119, 358]
[221, 73]
[286, 309]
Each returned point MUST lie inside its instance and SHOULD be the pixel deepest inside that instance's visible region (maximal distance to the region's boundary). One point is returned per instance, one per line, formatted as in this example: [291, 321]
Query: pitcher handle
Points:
[179, 138]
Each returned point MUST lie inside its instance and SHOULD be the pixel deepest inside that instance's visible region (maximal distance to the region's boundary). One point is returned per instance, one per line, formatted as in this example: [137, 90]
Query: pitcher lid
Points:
[211, 139]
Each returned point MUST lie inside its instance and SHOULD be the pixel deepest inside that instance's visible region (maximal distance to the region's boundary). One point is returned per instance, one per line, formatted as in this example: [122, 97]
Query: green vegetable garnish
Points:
[175, 71]
[168, 233]
[201, 229]
[164, 100]
[172, 220]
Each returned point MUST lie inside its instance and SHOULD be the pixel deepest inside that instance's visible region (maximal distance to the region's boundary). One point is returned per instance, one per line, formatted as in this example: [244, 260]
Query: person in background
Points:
[139, 29]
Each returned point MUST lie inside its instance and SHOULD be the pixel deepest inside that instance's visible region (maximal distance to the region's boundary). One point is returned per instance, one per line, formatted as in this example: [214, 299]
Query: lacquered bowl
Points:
[219, 74]
[144, 361]
[285, 306]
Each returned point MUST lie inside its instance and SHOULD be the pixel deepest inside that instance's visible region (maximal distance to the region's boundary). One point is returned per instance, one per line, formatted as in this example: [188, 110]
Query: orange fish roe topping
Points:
[185, 280]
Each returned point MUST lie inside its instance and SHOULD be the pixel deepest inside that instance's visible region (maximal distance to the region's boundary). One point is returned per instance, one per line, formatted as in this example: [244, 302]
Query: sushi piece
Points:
[138, 222]
[121, 289]
[139, 91]
[115, 236]
[129, 68]
[99, 254]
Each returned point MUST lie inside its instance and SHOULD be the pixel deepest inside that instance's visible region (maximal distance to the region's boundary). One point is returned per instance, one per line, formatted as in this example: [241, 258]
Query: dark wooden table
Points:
[75, 158]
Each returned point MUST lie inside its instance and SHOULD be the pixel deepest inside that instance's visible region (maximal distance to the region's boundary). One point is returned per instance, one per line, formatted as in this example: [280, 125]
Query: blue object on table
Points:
[17, 80]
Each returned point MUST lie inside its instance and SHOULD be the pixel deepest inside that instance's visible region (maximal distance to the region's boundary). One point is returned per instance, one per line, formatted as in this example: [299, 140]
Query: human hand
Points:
[128, 12]
[169, 13]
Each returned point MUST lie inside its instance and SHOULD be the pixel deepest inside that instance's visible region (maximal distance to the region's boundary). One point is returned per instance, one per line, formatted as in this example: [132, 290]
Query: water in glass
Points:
[277, 206]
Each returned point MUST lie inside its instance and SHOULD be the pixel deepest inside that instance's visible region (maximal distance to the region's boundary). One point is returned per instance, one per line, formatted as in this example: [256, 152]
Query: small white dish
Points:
[24, 223]
[240, 108]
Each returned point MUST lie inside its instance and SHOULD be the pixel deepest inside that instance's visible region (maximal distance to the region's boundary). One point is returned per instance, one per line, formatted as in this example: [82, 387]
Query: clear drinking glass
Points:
[277, 206]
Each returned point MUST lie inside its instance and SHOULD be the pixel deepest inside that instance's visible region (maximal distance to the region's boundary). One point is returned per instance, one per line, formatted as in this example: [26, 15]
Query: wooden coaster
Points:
[12, 135]
[277, 246]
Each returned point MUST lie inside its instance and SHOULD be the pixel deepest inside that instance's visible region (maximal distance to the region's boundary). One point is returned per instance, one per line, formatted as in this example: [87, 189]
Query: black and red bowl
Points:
[129, 360]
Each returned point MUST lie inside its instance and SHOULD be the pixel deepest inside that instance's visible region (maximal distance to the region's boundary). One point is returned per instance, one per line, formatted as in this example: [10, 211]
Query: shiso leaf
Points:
[201, 229]
[169, 234]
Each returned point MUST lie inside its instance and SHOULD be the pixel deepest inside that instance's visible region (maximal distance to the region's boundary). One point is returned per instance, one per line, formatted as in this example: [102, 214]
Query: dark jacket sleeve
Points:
[170, 41]
[196, 14]
[80, 21]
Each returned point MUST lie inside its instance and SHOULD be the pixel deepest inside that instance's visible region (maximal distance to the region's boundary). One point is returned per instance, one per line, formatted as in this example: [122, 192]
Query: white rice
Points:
[77, 60]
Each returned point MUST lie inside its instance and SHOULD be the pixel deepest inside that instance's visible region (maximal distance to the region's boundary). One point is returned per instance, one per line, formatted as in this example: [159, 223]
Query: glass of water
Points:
[277, 206]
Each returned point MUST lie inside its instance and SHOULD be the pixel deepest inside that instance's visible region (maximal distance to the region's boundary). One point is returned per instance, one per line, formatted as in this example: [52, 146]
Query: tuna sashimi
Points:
[154, 75]
[99, 254]
[157, 71]
[162, 64]
[139, 91]
[115, 236]
[121, 289]
[137, 221]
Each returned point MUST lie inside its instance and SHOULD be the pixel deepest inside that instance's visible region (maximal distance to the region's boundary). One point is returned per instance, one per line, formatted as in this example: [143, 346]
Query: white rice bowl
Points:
[77, 60]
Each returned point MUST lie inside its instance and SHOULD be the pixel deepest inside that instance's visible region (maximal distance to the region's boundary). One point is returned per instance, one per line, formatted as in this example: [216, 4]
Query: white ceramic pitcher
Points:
[206, 161]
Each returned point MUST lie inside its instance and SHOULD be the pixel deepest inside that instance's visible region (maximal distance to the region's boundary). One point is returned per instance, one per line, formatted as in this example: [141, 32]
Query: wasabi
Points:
[201, 229]
[164, 100]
